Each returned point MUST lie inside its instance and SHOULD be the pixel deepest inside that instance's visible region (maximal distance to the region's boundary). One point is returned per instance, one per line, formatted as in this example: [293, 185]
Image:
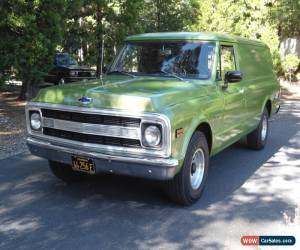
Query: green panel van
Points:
[167, 104]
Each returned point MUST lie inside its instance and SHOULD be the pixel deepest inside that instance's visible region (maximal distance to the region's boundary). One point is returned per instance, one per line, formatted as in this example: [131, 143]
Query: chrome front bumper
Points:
[150, 168]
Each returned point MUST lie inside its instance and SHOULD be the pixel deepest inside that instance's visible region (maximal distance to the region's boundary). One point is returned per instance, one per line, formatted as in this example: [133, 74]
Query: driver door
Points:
[234, 100]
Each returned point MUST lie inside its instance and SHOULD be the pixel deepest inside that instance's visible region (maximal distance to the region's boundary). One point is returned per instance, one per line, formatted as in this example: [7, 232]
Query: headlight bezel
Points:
[153, 126]
[161, 120]
[144, 142]
[31, 113]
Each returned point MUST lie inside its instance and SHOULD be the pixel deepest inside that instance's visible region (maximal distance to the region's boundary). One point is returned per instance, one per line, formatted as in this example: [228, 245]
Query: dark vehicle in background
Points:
[67, 70]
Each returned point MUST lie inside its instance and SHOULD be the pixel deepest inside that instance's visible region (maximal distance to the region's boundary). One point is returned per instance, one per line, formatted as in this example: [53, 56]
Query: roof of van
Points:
[204, 36]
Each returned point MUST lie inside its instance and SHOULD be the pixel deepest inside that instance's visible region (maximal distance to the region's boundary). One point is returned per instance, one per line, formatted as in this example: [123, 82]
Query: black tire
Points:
[180, 188]
[255, 139]
[61, 81]
[64, 172]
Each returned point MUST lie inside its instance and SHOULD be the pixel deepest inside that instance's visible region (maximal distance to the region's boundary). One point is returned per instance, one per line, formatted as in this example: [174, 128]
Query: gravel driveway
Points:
[12, 125]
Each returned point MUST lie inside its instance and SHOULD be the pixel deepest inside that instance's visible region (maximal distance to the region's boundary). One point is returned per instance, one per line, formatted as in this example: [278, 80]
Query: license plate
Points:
[83, 165]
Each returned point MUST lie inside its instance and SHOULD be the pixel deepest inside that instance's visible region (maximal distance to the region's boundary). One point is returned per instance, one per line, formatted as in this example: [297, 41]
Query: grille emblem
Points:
[85, 100]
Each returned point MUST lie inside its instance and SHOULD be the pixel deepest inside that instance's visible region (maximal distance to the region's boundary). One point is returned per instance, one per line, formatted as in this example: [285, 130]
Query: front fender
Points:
[275, 102]
[189, 133]
[189, 123]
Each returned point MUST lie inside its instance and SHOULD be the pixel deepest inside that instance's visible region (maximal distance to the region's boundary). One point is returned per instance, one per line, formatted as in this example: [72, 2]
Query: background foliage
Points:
[33, 30]
[290, 64]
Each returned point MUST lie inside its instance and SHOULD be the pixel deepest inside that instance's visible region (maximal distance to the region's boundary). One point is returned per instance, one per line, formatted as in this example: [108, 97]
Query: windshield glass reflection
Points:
[180, 59]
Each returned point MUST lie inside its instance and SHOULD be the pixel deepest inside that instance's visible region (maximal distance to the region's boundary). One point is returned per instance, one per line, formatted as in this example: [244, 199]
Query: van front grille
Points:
[84, 73]
[91, 118]
[97, 139]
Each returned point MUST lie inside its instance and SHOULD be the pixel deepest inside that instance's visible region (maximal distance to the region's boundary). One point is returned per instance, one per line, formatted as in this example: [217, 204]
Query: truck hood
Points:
[77, 67]
[121, 92]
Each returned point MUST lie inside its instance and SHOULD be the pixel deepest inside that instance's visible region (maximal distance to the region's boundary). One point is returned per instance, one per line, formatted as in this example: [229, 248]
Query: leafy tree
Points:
[87, 28]
[286, 15]
[246, 18]
[290, 65]
[30, 32]
[169, 15]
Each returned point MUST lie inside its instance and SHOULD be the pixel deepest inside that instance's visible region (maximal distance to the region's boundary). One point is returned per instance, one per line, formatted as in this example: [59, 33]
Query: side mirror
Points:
[232, 76]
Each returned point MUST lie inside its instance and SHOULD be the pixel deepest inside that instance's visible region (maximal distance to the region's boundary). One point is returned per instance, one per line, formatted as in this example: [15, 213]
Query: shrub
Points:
[290, 65]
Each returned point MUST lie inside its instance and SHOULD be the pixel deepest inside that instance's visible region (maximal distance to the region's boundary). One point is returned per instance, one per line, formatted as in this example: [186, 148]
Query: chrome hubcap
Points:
[197, 169]
[264, 128]
[61, 81]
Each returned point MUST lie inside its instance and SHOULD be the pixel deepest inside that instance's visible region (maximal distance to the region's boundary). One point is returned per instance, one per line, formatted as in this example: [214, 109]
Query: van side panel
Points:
[258, 79]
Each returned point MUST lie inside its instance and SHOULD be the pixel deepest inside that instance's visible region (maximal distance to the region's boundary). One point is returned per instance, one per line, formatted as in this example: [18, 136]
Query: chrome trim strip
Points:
[81, 77]
[149, 161]
[164, 151]
[93, 129]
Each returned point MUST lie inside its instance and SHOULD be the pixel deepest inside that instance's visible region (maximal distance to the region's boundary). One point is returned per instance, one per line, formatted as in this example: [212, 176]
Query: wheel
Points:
[257, 139]
[187, 186]
[61, 81]
[64, 172]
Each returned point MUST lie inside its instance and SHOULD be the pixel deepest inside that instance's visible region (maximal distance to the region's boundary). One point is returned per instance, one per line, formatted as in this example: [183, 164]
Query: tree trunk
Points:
[28, 91]
[99, 34]
[24, 90]
[158, 16]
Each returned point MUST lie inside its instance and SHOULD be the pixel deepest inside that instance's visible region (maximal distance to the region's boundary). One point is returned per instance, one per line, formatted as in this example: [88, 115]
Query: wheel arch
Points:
[202, 126]
[206, 129]
[268, 105]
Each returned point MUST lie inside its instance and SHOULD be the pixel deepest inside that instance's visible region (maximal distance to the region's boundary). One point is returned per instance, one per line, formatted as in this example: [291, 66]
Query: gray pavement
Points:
[248, 193]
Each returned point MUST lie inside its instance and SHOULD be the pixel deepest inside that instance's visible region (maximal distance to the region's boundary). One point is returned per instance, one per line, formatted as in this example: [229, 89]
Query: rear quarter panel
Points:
[259, 80]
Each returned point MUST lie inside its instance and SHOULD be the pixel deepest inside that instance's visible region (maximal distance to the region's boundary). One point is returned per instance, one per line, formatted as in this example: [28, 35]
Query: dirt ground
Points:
[12, 124]
[290, 91]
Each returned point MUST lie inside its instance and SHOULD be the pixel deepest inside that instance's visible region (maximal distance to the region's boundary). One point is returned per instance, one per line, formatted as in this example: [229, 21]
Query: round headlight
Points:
[93, 73]
[35, 121]
[152, 136]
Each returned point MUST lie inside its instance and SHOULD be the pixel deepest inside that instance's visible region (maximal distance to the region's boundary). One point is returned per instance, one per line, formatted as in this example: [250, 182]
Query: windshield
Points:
[182, 59]
[64, 60]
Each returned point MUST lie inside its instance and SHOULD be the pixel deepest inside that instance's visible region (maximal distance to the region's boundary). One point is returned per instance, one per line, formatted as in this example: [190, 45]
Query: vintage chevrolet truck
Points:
[167, 104]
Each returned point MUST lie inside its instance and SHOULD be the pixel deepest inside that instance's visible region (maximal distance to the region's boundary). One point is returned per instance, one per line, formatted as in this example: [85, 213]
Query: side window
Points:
[227, 61]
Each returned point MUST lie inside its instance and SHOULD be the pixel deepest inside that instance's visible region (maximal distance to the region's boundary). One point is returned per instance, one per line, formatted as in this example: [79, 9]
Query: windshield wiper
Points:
[172, 74]
[121, 72]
